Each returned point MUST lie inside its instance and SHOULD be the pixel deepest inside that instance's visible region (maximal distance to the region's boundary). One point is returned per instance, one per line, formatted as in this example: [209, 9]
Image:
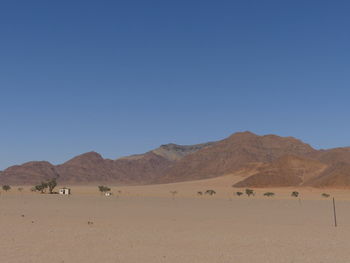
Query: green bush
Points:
[249, 192]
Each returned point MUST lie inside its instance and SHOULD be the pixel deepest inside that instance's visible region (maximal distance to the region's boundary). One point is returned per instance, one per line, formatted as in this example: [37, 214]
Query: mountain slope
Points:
[336, 175]
[261, 161]
[233, 153]
[92, 168]
[288, 170]
[29, 173]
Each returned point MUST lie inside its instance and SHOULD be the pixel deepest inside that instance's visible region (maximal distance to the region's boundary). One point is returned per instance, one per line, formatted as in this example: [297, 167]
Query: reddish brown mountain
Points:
[85, 168]
[263, 161]
[29, 173]
[288, 170]
[332, 156]
[336, 175]
[233, 153]
[91, 168]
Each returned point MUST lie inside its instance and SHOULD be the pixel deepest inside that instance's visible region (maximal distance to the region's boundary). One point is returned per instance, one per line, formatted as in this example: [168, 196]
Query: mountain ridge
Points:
[262, 161]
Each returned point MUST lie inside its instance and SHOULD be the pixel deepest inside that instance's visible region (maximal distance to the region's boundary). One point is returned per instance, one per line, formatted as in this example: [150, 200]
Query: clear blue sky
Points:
[122, 77]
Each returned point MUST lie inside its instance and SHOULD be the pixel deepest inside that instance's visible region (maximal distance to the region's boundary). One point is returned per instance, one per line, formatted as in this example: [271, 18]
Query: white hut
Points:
[108, 194]
[64, 191]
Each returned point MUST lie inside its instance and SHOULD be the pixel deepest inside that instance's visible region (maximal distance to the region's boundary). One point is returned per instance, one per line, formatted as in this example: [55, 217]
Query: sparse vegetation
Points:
[210, 192]
[104, 189]
[20, 189]
[239, 193]
[6, 187]
[295, 194]
[325, 195]
[51, 184]
[200, 193]
[269, 194]
[249, 192]
[41, 187]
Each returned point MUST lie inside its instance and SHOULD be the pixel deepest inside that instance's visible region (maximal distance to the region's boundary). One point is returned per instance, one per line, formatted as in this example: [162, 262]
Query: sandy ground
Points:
[145, 224]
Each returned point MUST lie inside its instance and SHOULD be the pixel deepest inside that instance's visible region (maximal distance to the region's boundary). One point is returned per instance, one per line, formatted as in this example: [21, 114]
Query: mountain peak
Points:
[85, 157]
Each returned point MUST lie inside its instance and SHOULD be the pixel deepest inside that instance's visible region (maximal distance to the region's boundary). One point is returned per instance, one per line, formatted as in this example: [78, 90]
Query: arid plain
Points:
[148, 224]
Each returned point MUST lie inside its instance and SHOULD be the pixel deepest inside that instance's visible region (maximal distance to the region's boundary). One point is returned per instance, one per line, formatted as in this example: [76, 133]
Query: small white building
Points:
[64, 191]
[108, 194]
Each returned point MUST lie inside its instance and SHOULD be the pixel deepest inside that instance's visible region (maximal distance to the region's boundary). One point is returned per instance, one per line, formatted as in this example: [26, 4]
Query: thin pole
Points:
[335, 214]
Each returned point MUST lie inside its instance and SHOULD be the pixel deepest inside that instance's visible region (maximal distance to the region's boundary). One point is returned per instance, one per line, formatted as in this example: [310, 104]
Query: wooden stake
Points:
[335, 214]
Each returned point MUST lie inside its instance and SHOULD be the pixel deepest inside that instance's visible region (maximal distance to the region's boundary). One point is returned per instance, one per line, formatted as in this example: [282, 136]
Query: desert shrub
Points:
[104, 189]
[239, 193]
[6, 187]
[325, 195]
[199, 193]
[269, 194]
[249, 192]
[295, 194]
[20, 189]
[210, 192]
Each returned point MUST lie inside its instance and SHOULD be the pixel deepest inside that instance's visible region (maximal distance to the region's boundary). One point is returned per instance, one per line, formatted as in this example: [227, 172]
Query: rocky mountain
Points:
[29, 173]
[233, 153]
[91, 168]
[336, 175]
[174, 152]
[261, 161]
[288, 170]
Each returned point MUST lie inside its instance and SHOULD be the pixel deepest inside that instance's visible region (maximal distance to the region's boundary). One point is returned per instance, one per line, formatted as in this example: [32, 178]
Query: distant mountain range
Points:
[261, 161]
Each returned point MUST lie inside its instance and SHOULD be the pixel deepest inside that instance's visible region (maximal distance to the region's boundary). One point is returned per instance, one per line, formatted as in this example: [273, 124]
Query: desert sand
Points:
[146, 224]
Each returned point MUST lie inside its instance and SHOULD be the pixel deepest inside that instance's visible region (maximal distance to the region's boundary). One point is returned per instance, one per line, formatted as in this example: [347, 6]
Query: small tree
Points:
[295, 194]
[51, 184]
[200, 193]
[239, 193]
[6, 187]
[269, 194]
[249, 192]
[41, 187]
